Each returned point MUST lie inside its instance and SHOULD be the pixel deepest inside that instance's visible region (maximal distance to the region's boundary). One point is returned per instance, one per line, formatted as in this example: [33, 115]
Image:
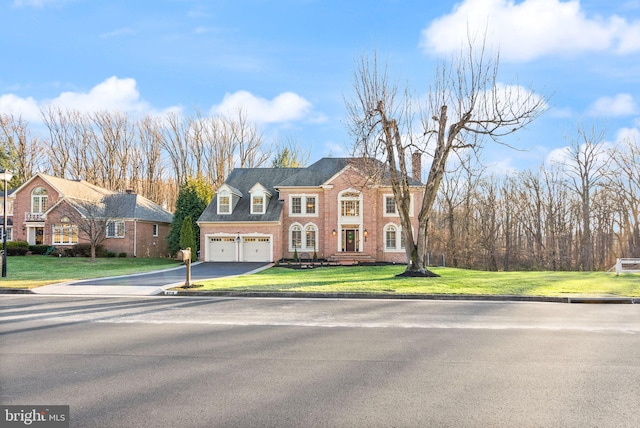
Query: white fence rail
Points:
[627, 265]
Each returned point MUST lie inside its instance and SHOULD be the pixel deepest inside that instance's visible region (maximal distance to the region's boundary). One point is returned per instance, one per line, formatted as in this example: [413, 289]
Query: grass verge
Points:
[382, 279]
[34, 271]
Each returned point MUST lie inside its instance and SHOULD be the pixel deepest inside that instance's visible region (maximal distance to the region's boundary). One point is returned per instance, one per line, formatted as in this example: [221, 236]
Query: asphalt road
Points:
[203, 362]
[171, 276]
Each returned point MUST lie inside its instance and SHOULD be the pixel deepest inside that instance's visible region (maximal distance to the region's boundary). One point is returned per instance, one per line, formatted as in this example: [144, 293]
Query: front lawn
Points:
[33, 271]
[382, 279]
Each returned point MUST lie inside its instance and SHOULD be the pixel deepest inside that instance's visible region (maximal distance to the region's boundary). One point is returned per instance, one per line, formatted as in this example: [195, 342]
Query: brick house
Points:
[47, 211]
[269, 214]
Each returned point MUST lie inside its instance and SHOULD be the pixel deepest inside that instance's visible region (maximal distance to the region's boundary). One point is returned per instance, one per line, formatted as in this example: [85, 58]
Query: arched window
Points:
[391, 237]
[311, 234]
[350, 201]
[295, 234]
[39, 200]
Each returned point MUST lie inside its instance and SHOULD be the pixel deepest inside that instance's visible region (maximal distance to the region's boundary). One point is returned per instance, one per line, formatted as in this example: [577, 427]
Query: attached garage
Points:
[256, 249]
[222, 249]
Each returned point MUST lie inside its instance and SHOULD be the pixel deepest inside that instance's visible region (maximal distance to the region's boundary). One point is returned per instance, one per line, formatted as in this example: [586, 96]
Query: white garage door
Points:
[256, 249]
[222, 249]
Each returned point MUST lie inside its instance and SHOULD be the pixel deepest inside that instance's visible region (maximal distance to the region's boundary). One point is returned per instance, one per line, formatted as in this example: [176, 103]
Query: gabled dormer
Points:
[260, 198]
[227, 197]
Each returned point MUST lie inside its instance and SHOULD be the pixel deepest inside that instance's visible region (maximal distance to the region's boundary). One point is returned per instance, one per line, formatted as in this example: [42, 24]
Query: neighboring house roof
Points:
[242, 180]
[80, 194]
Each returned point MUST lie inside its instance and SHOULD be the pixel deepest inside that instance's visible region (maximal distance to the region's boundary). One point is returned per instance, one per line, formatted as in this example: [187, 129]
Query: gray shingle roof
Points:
[243, 179]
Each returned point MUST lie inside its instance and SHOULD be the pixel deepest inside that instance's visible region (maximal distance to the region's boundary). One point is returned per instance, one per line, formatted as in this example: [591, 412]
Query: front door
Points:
[350, 238]
[35, 236]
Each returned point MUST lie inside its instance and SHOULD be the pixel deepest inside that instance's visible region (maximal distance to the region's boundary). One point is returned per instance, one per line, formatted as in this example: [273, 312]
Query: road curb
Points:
[470, 297]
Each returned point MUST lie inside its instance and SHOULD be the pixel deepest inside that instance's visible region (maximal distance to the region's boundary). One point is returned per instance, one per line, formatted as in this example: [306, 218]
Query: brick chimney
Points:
[416, 166]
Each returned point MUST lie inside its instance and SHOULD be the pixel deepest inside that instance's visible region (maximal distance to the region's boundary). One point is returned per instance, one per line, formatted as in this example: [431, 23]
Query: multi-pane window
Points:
[65, 234]
[390, 205]
[257, 205]
[155, 230]
[296, 205]
[311, 205]
[390, 238]
[302, 205]
[350, 208]
[9, 233]
[296, 236]
[224, 204]
[115, 229]
[39, 200]
[310, 233]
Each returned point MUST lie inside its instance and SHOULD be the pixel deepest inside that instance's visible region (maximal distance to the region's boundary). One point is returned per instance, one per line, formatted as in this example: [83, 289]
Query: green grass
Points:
[34, 271]
[382, 279]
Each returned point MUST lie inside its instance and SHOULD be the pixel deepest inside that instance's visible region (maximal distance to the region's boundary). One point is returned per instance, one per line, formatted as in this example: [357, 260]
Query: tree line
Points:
[579, 212]
[152, 156]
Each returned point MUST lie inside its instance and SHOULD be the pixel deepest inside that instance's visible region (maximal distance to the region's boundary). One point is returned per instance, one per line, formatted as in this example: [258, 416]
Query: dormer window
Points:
[224, 203]
[259, 199]
[257, 204]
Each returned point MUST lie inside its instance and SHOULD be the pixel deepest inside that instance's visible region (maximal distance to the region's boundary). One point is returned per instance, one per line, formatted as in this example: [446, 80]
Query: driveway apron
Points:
[151, 283]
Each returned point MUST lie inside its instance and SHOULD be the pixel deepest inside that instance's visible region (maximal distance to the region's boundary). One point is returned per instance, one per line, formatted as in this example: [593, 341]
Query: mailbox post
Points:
[186, 257]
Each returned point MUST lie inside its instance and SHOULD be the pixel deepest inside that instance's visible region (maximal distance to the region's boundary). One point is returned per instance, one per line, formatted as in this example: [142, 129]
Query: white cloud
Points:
[620, 105]
[286, 107]
[531, 29]
[629, 134]
[112, 94]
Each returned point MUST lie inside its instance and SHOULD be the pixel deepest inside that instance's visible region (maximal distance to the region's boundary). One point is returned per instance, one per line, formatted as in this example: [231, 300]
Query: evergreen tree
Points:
[193, 198]
[187, 238]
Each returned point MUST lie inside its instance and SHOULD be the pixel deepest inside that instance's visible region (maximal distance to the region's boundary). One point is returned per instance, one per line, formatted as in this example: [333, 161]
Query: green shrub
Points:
[122, 255]
[108, 254]
[18, 244]
[16, 251]
[38, 249]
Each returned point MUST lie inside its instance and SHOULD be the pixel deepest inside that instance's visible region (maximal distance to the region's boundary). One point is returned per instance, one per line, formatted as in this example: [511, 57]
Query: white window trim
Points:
[41, 198]
[261, 196]
[303, 205]
[399, 248]
[116, 236]
[9, 232]
[155, 230]
[224, 193]
[359, 199]
[66, 228]
[397, 214]
[303, 238]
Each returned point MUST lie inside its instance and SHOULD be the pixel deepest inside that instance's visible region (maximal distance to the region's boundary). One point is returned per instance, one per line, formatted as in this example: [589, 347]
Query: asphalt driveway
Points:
[152, 282]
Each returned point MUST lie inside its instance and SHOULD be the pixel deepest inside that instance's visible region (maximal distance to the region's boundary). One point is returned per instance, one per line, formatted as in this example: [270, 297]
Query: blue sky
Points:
[289, 64]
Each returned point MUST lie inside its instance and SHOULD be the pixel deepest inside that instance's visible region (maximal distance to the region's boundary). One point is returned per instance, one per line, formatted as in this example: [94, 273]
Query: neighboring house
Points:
[327, 209]
[9, 215]
[48, 211]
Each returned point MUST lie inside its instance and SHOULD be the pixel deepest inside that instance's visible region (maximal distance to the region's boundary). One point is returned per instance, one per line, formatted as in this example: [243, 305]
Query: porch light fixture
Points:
[365, 235]
[4, 176]
[333, 232]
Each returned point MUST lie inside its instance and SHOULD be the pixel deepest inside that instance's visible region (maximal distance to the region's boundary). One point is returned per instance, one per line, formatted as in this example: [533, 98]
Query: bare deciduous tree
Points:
[465, 100]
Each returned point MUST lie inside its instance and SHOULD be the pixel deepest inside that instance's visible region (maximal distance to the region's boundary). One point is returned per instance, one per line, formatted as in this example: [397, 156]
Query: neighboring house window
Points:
[9, 233]
[350, 204]
[155, 230]
[65, 234]
[303, 205]
[257, 205]
[224, 203]
[296, 236]
[9, 207]
[39, 200]
[115, 229]
[310, 233]
[390, 205]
